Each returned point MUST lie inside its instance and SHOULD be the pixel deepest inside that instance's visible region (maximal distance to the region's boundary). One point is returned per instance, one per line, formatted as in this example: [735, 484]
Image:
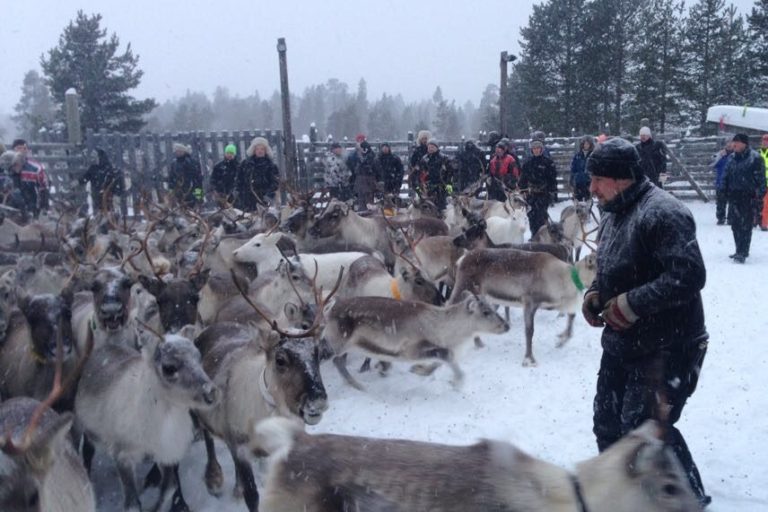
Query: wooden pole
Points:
[288, 146]
[503, 94]
[74, 133]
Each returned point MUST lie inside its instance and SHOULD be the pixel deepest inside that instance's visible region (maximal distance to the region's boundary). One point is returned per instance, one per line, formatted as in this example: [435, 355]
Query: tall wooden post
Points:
[289, 147]
[503, 94]
[74, 133]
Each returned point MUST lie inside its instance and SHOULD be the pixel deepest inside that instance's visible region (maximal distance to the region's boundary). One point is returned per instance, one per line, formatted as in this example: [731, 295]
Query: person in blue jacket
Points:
[579, 179]
[719, 164]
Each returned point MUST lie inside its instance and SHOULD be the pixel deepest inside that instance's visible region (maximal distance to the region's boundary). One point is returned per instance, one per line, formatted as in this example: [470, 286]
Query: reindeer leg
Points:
[529, 312]
[425, 370]
[154, 477]
[341, 364]
[366, 366]
[131, 501]
[578, 253]
[178, 503]
[244, 473]
[165, 487]
[383, 367]
[506, 313]
[567, 333]
[428, 350]
[88, 452]
[479, 343]
[214, 478]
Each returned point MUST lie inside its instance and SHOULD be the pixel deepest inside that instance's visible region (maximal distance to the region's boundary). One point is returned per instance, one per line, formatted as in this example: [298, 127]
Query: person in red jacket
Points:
[33, 178]
[503, 173]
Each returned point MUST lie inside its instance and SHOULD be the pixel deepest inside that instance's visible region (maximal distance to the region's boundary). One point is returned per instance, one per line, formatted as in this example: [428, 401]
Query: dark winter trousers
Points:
[741, 216]
[759, 212]
[627, 395]
[437, 194]
[721, 199]
[537, 215]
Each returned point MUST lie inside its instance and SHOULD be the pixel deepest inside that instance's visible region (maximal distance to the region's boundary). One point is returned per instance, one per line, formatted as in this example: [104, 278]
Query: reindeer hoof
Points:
[424, 369]
[214, 479]
[366, 366]
[479, 343]
[237, 492]
[562, 340]
[529, 362]
[383, 367]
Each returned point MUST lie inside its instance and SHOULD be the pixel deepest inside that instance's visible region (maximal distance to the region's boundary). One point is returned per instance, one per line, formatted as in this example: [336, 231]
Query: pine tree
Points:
[730, 84]
[702, 55]
[35, 110]
[87, 60]
[654, 92]
[381, 120]
[757, 50]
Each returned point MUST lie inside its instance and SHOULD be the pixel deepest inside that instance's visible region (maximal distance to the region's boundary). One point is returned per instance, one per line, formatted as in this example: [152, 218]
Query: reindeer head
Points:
[472, 234]
[177, 299]
[639, 472]
[483, 315]
[178, 367]
[330, 221]
[50, 319]
[295, 364]
[111, 289]
[417, 287]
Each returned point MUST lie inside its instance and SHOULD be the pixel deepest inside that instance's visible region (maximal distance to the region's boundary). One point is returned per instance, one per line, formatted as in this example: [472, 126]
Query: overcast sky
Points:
[396, 45]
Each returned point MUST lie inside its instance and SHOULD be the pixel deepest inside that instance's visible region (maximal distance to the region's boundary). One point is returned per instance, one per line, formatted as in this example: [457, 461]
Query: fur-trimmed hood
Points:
[259, 141]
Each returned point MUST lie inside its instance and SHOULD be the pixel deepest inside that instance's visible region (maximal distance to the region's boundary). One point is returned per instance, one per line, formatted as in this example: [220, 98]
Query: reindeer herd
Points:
[136, 339]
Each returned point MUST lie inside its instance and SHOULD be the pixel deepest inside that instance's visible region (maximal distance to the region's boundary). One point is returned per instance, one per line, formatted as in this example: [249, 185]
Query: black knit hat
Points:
[615, 158]
[741, 137]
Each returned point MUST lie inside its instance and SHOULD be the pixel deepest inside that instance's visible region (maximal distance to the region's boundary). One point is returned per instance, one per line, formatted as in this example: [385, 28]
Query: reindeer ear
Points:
[292, 311]
[152, 284]
[47, 440]
[199, 279]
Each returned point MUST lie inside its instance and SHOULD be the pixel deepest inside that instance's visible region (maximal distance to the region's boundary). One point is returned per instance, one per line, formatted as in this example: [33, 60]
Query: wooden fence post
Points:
[74, 133]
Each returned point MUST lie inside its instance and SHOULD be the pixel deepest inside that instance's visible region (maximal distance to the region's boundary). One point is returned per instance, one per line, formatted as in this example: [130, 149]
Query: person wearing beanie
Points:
[417, 178]
[223, 176]
[258, 178]
[364, 175]
[653, 157]
[438, 180]
[744, 184]
[647, 299]
[337, 175]
[503, 173]
[389, 170]
[538, 181]
[579, 179]
[185, 178]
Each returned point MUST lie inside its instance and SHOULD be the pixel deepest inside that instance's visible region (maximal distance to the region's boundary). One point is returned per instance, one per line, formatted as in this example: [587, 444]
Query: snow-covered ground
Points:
[547, 410]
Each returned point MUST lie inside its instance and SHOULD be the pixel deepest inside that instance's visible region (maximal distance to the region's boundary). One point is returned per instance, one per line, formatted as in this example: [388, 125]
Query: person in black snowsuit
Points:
[389, 170]
[415, 173]
[744, 182]
[364, 176]
[579, 176]
[538, 181]
[471, 164]
[106, 182]
[224, 175]
[647, 296]
[185, 179]
[653, 157]
[258, 178]
[439, 182]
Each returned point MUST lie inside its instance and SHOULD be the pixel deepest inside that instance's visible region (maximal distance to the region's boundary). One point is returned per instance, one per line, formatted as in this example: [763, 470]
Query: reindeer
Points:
[137, 404]
[37, 326]
[475, 238]
[37, 278]
[325, 473]
[7, 300]
[260, 376]
[39, 469]
[368, 276]
[531, 279]
[393, 330]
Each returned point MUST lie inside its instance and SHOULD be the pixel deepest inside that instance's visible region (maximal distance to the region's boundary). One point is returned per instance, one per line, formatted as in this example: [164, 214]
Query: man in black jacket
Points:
[647, 297]
[744, 183]
[224, 175]
[389, 170]
[653, 157]
[538, 181]
[185, 179]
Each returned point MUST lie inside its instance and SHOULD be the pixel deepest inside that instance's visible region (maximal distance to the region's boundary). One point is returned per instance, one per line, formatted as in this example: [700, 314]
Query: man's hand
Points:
[618, 313]
[590, 308]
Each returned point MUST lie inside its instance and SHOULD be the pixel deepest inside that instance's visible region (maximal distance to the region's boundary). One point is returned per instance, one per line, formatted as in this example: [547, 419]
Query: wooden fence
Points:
[144, 159]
